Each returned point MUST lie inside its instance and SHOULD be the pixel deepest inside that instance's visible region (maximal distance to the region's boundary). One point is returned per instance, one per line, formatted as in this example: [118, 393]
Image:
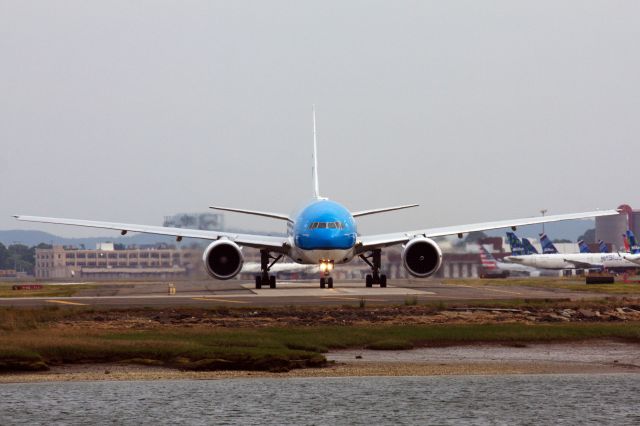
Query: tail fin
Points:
[487, 260]
[547, 245]
[627, 246]
[517, 248]
[602, 247]
[528, 247]
[584, 248]
[635, 249]
[314, 169]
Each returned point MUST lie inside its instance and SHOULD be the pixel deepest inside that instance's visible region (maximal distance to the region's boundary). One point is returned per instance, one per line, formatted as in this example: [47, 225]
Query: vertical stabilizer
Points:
[314, 170]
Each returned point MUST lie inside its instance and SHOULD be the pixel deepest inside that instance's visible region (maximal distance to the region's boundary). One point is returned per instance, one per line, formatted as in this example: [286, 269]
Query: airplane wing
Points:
[584, 265]
[279, 244]
[369, 242]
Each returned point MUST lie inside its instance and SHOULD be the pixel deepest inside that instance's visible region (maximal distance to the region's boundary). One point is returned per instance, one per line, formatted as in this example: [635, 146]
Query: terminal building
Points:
[60, 262]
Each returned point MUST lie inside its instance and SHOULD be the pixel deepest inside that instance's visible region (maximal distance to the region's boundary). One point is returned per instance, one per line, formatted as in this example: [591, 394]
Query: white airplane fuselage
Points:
[573, 261]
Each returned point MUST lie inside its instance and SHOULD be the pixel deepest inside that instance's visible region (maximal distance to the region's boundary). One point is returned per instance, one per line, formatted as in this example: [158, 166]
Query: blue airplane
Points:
[584, 248]
[602, 247]
[323, 233]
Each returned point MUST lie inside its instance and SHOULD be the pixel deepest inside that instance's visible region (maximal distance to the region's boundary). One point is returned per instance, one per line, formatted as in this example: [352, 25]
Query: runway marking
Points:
[371, 298]
[218, 300]
[65, 302]
[502, 291]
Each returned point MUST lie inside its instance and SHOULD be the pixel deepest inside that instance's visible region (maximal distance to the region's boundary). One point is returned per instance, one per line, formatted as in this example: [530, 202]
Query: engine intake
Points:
[422, 257]
[223, 259]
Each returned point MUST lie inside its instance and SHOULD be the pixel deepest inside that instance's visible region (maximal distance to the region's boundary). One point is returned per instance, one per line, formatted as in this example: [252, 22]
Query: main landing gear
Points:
[265, 279]
[373, 260]
[325, 269]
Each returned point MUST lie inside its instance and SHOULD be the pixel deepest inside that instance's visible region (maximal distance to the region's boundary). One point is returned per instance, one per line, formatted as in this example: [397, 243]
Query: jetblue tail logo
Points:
[517, 249]
[602, 247]
[528, 247]
[635, 249]
[584, 248]
[547, 245]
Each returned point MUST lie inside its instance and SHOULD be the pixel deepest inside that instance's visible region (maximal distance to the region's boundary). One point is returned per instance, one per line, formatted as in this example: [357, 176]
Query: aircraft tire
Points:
[321, 282]
[368, 280]
[330, 282]
[383, 281]
[258, 282]
[272, 281]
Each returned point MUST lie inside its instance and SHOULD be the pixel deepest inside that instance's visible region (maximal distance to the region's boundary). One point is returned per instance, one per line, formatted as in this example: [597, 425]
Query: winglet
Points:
[314, 170]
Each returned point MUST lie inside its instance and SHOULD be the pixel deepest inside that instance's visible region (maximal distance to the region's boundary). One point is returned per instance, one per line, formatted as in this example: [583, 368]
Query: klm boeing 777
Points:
[323, 233]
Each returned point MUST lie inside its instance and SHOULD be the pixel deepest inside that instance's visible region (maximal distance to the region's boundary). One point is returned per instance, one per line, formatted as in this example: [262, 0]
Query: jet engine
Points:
[422, 257]
[223, 259]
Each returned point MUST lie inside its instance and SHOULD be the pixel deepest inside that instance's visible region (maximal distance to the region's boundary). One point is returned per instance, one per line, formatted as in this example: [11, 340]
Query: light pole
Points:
[543, 212]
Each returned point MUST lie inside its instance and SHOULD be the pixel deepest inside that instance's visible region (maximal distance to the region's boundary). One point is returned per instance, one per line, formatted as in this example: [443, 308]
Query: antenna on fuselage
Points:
[314, 170]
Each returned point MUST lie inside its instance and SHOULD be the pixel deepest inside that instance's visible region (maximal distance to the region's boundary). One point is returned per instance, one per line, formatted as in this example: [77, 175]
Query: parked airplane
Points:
[610, 261]
[491, 265]
[323, 233]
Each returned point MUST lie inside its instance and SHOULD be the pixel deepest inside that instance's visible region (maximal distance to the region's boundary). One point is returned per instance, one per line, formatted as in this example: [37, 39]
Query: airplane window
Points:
[322, 225]
[332, 225]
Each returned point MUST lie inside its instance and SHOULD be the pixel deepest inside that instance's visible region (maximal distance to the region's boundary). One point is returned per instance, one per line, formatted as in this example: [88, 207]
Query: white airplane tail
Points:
[314, 169]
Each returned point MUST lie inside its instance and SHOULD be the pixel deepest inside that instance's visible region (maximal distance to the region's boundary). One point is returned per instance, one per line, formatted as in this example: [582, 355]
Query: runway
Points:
[243, 294]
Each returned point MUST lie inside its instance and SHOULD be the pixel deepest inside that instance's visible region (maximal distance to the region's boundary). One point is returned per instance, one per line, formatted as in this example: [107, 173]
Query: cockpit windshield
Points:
[326, 225]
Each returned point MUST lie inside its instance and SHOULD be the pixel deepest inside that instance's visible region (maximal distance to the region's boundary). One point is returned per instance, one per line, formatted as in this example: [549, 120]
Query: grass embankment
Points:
[48, 290]
[571, 283]
[31, 342]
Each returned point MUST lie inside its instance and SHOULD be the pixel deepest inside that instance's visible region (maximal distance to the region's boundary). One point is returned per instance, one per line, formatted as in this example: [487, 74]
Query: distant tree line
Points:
[19, 257]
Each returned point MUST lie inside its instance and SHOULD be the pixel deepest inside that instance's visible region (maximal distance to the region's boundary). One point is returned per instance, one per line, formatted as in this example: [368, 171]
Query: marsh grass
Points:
[271, 349]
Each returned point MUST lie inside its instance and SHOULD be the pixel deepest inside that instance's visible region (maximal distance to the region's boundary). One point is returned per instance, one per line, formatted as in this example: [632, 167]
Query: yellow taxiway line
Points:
[66, 302]
[217, 300]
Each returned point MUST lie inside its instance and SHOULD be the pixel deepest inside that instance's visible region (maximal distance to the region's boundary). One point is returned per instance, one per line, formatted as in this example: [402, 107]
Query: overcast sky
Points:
[133, 110]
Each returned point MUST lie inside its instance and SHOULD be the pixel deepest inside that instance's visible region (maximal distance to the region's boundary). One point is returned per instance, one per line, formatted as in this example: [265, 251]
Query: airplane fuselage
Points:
[323, 231]
[573, 261]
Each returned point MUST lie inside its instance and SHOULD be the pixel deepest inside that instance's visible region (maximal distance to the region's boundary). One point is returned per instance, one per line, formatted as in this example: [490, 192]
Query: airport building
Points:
[60, 262]
[611, 228]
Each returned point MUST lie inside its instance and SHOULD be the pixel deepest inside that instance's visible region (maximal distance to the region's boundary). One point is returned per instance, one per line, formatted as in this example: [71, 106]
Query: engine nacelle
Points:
[223, 259]
[422, 257]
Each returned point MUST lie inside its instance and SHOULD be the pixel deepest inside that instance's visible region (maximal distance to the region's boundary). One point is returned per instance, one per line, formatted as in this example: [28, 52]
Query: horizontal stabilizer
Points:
[382, 210]
[254, 212]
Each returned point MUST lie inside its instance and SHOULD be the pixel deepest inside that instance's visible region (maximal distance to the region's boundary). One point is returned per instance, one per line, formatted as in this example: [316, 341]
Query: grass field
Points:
[30, 346]
[570, 283]
[48, 290]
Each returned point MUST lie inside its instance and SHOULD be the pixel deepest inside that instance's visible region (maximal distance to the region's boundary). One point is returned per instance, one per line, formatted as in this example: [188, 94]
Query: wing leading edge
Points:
[384, 240]
[249, 240]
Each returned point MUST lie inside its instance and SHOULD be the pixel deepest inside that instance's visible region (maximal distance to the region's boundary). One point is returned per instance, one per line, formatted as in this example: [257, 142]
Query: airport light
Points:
[543, 212]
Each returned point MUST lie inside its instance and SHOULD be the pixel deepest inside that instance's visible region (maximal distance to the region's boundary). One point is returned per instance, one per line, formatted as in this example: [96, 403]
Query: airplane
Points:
[582, 260]
[322, 233]
[491, 265]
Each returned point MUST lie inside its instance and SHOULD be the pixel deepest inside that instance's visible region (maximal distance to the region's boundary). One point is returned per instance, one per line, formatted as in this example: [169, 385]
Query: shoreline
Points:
[590, 357]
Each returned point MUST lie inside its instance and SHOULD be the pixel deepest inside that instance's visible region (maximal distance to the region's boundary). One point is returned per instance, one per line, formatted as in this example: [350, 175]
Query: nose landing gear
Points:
[375, 277]
[326, 280]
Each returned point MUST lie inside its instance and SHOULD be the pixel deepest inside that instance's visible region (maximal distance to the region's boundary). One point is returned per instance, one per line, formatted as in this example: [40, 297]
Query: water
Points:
[442, 400]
